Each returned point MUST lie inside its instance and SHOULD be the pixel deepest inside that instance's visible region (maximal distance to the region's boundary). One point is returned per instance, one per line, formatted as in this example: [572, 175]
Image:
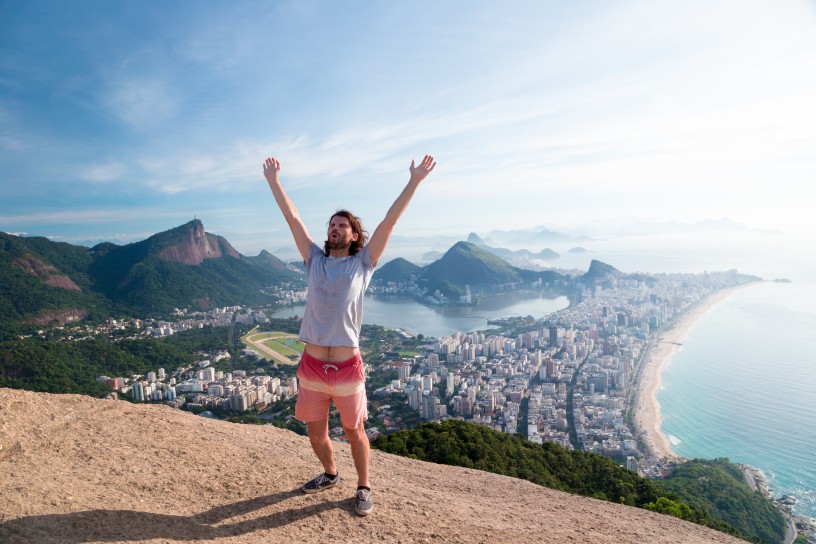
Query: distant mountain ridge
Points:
[44, 282]
[181, 267]
[545, 254]
[463, 264]
[539, 235]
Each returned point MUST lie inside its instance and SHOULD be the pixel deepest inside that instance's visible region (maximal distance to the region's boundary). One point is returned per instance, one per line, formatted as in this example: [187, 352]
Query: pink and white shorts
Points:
[320, 382]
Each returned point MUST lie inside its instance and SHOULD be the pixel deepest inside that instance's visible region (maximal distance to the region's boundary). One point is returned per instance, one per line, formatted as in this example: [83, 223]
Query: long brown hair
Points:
[356, 227]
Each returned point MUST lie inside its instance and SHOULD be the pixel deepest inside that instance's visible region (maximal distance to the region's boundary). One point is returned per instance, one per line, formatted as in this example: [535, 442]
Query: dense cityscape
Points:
[569, 378]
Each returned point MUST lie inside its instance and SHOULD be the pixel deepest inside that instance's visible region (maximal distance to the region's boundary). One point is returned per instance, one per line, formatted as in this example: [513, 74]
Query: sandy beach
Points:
[647, 409]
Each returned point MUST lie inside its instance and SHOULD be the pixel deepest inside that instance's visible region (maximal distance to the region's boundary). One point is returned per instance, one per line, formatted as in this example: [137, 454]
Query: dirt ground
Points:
[75, 469]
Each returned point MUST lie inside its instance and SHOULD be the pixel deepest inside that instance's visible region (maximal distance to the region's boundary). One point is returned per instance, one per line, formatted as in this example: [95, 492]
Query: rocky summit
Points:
[75, 469]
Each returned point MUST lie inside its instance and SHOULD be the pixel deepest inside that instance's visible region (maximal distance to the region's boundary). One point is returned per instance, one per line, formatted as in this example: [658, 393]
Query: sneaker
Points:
[319, 483]
[363, 503]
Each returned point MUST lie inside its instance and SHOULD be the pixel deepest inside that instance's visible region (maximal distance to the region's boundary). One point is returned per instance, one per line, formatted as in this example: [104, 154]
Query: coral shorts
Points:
[321, 382]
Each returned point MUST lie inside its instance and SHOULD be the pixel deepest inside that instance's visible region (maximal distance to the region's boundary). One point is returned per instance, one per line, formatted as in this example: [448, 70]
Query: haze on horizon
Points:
[120, 120]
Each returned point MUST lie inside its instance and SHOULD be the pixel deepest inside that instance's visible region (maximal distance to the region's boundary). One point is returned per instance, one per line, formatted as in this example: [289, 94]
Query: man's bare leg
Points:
[321, 444]
[360, 452]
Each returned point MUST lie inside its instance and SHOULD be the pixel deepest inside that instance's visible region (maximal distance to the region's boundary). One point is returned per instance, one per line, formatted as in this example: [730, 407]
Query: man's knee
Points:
[356, 434]
[317, 429]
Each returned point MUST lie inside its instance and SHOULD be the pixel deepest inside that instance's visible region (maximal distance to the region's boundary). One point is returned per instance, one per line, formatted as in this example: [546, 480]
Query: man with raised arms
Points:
[331, 368]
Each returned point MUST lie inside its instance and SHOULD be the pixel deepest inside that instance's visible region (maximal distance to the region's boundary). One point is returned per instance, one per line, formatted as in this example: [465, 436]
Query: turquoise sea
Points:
[743, 386]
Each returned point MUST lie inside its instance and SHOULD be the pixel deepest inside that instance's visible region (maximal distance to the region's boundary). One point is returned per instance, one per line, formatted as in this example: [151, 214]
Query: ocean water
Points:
[743, 386]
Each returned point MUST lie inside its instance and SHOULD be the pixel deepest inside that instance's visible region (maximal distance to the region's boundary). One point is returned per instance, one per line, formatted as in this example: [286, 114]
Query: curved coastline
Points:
[647, 408]
[647, 412]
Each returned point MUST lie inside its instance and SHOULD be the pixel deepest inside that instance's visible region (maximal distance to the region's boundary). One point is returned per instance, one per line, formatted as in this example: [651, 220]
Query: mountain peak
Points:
[268, 260]
[600, 272]
[190, 244]
[598, 269]
[249, 490]
[468, 264]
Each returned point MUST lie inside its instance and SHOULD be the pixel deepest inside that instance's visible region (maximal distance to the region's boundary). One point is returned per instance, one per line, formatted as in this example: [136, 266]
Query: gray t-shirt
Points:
[334, 301]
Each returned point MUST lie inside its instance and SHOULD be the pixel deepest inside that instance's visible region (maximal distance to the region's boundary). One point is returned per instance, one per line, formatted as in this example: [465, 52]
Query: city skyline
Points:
[125, 120]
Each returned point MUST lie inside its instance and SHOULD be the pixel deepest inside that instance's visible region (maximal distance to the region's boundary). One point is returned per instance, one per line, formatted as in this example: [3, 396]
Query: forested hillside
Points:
[718, 487]
[460, 443]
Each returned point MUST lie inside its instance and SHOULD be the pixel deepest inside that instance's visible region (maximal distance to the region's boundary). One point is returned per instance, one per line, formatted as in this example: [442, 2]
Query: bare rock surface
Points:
[35, 267]
[75, 469]
[195, 246]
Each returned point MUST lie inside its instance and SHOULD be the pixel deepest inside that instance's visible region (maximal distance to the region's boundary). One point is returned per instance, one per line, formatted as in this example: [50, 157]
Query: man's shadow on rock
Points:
[130, 525]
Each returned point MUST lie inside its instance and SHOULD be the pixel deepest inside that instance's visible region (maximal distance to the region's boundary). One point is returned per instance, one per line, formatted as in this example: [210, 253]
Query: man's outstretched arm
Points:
[302, 239]
[376, 246]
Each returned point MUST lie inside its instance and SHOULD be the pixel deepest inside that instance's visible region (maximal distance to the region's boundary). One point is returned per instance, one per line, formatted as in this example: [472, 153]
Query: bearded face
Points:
[340, 235]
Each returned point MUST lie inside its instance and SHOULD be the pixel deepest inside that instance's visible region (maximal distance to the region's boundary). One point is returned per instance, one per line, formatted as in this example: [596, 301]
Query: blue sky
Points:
[122, 119]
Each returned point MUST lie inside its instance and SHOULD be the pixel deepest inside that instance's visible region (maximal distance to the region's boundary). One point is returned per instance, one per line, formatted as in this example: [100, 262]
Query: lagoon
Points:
[398, 312]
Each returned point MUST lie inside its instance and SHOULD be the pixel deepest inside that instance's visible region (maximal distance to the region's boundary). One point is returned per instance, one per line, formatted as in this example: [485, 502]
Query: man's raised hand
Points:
[425, 167]
[271, 168]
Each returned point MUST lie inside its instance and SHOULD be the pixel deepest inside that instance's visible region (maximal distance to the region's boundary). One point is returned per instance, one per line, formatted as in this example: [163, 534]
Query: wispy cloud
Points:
[83, 217]
[140, 101]
[103, 173]
[12, 137]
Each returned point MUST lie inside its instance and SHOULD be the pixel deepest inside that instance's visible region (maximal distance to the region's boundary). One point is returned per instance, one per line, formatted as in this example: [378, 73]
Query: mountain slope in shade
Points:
[72, 472]
[115, 266]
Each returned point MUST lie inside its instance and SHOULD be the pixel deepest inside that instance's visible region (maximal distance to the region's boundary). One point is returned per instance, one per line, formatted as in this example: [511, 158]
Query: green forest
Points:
[52, 366]
[59, 367]
[718, 487]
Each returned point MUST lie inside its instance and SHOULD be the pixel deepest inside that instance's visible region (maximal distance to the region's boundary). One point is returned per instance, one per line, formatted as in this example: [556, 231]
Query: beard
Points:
[338, 243]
